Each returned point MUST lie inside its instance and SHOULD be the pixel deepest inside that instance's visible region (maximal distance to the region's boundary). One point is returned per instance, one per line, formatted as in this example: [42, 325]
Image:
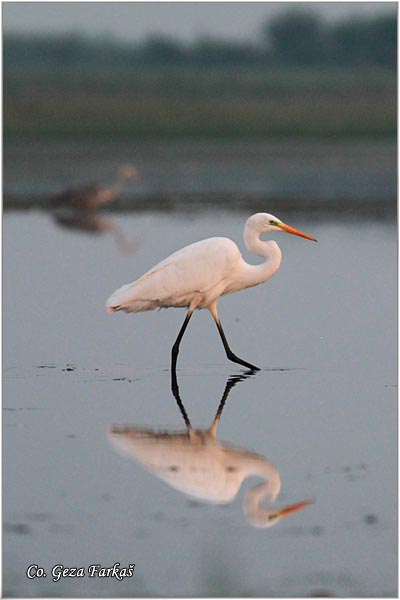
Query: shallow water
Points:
[322, 411]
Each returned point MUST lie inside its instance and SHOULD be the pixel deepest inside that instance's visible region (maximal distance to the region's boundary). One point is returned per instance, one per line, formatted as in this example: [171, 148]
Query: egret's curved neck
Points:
[269, 250]
[267, 491]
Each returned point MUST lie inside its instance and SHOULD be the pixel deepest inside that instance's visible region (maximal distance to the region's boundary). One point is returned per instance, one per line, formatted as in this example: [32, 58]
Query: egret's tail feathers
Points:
[134, 306]
[126, 299]
[119, 299]
[112, 309]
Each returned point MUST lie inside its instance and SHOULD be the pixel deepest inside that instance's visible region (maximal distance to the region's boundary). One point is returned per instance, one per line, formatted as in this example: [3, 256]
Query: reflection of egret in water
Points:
[89, 221]
[94, 195]
[195, 463]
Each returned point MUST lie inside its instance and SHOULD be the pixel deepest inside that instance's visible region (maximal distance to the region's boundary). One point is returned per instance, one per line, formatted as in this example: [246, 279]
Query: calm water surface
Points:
[83, 483]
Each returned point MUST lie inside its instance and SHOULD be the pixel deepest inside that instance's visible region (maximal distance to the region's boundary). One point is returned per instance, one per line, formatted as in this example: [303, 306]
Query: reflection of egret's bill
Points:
[198, 465]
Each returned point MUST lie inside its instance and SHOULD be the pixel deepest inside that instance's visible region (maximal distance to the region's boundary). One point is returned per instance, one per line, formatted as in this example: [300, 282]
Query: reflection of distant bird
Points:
[94, 195]
[197, 275]
[90, 222]
[195, 463]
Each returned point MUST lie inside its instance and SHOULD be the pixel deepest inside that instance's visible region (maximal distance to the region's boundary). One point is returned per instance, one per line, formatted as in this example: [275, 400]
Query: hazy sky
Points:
[185, 20]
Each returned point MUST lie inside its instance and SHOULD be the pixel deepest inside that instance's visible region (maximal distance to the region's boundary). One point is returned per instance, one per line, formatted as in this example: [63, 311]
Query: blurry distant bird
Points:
[197, 275]
[197, 464]
[94, 195]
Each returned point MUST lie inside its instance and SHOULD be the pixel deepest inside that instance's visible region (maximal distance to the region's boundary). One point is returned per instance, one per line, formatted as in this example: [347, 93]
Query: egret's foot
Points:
[239, 361]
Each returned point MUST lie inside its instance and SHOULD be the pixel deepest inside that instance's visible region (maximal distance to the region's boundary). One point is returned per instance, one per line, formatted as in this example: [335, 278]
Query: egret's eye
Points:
[272, 222]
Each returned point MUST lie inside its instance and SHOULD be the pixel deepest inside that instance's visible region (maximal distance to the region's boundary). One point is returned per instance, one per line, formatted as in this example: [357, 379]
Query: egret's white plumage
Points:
[197, 275]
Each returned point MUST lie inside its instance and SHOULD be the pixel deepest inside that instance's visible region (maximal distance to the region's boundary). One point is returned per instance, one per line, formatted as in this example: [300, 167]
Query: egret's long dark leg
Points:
[229, 353]
[175, 347]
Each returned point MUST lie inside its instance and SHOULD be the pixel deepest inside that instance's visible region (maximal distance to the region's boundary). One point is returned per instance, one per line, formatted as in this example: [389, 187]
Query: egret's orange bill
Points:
[288, 510]
[296, 232]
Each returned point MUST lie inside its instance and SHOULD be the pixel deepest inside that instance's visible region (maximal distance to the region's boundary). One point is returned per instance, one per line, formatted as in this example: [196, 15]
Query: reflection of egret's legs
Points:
[232, 381]
[175, 391]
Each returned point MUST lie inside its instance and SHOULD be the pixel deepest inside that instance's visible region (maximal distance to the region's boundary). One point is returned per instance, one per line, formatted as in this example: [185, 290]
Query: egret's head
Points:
[266, 222]
[271, 223]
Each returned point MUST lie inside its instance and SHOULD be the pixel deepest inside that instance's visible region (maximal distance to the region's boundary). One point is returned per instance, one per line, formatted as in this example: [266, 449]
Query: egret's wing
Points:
[194, 269]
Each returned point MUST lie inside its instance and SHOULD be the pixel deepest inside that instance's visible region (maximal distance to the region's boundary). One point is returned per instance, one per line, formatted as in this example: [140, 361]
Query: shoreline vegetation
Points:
[303, 77]
[314, 105]
[168, 103]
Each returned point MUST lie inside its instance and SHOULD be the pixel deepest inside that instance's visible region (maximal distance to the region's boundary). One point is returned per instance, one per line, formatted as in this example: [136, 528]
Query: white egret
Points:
[197, 275]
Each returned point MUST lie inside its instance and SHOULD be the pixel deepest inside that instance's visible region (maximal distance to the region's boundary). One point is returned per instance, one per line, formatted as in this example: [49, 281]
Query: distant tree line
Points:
[293, 38]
